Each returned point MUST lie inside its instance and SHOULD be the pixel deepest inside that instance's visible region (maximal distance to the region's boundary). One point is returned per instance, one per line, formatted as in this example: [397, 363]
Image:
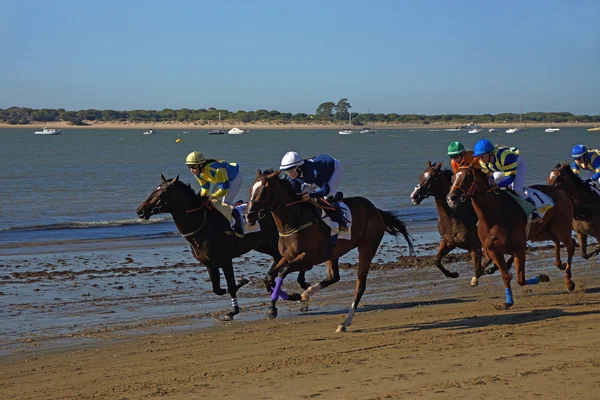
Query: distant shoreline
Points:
[296, 126]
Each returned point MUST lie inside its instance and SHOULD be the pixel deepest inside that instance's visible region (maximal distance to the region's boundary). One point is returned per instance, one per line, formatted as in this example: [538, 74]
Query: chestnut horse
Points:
[304, 239]
[209, 234]
[586, 205]
[503, 225]
[458, 228]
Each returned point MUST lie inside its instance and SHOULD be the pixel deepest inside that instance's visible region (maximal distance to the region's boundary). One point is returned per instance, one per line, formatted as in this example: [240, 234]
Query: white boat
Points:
[348, 131]
[48, 131]
[476, 130]
[368, 130]
[237, 131]
[452, 130]
[217, 131]
[493, 130]
[512, 130]
[151, 131]
[552, 130]
[521, 127]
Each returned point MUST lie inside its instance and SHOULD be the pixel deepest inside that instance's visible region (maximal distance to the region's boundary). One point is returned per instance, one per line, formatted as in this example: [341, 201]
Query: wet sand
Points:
[417, 334]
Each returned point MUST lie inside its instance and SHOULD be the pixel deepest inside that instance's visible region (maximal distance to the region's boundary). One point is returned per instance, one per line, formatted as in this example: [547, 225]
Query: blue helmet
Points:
[578, 151]
[483, 146]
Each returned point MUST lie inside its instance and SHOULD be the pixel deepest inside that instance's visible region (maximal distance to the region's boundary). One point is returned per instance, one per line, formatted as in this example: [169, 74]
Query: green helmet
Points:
[194, 158]
[455, 148]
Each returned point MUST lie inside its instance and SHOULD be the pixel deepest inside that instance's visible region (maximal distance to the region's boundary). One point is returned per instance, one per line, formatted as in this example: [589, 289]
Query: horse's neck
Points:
[492, 208]
[189, 222]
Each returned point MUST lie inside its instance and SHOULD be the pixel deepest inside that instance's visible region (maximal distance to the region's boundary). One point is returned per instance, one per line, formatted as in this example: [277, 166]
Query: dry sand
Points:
[262, 126]
[449, 346]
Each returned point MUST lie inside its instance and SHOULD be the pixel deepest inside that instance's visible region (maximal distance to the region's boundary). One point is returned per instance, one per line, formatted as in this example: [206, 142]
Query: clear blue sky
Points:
[420, 56]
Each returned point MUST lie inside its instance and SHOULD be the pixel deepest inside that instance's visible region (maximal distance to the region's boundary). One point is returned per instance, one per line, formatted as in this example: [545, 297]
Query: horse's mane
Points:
[447, 173]
[579, 183]
[285, 181]
[190, 192]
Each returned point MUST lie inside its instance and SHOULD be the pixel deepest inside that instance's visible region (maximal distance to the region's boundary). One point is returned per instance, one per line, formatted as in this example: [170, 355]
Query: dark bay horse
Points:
[457, 227]
[586, 204]
[209, 234]
[304, 239]
[502, 225]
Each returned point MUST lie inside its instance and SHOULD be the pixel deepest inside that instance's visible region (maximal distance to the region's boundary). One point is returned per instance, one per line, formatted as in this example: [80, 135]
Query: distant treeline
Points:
[326, 113]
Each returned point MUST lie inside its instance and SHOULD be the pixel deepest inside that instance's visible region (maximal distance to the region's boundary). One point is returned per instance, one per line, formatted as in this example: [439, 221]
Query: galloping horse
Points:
[458, 228]
[502, 225]
[304, 240]
[586, 204]
[209, 234]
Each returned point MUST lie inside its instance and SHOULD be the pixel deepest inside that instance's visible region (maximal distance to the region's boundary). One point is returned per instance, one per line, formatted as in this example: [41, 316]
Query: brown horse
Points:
[457, 227]
[586, 205]
[304, 239]
[209, 234]
[503, 225]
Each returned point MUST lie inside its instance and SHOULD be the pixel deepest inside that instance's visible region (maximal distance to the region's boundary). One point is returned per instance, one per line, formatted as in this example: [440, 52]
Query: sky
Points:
[386, 56]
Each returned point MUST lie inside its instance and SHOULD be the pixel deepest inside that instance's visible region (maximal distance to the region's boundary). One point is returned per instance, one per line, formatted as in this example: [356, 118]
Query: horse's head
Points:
[170, 196]
[468, 180]
[431, 182]
[267, 193]
[561, 176]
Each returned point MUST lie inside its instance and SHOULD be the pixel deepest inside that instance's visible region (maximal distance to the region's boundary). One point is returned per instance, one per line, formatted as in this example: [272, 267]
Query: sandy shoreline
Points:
[440, 338]
[192, 126]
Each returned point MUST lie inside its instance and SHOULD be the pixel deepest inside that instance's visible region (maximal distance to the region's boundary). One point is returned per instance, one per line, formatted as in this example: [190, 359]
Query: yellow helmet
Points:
[194, 158]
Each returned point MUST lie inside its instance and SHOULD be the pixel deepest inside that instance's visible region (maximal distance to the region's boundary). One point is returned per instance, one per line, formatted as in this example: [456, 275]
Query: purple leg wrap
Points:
[277, 290]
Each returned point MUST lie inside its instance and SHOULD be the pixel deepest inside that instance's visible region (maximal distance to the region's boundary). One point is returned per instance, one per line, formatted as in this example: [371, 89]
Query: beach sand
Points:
[438, 339]
[262, 126]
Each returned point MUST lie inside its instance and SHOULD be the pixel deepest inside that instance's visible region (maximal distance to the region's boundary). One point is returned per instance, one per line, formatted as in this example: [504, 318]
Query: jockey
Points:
[458, 154]
[586, 160]
[508, 161]
[226, 178]
[322, 171]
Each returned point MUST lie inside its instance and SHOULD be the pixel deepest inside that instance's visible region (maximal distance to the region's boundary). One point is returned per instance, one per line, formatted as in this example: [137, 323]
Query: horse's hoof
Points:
[474, 281]
[341, 328]
[453, 275]
[503, 306]
[304, 308]
[562, 266]
[586, 256]
[543, 278]
[272, 313]
[226, 317]
[570, 286]
[295, 297]
[491, 270]
[243, 282]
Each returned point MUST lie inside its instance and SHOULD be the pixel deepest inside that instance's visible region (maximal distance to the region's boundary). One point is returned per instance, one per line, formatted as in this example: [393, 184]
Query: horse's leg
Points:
[365, 256]
[498, 259]
[270, 277]
[215, 279]
[444, 248]
[333, 276]
[519, 261]
[582, 238]
[282, 269]
[232, 288]
[302, 280]
[477, 267]
[565, 237]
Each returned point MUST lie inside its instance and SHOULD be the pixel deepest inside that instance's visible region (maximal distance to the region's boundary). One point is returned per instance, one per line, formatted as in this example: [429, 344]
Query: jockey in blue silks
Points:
[586, 160]
[322, 172]
[508, 161]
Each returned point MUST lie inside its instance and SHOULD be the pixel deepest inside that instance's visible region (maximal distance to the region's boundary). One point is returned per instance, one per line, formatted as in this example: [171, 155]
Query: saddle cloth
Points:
[226, 209]
[595, 188]
[542, 201]
[335, 227]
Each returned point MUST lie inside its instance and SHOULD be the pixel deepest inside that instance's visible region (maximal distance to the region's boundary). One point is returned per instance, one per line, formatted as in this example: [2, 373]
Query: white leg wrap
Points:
[311, 290]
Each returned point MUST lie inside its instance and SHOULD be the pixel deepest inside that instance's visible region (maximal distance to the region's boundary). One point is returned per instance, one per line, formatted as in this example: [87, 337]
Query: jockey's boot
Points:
[535, 215]
[339, 216]
[238, 227]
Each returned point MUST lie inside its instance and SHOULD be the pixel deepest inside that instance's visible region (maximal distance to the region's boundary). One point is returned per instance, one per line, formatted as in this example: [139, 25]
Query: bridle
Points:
[470, 192]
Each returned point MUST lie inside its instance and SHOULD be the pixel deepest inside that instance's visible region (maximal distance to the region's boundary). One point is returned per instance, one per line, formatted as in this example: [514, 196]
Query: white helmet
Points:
[291, 160]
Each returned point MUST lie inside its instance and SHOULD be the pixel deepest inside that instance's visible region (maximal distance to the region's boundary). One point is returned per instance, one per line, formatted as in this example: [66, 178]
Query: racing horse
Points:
[304, 239]
[209, 234]
[586, 205]
[503, 227]
[457, 227]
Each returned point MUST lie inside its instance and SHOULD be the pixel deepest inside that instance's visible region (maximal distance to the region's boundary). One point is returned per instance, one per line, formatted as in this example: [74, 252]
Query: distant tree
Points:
[325, 111]
[341, 110]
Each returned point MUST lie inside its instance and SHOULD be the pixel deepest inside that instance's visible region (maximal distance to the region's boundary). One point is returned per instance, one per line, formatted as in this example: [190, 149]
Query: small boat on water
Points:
[237, 131]
[348, 131]
[149, 132]
[552, 130]
[217, 131]
[594, 129]
[368, 130]
[476, 130]
[48, 131]
[512, 130]
[493, 130]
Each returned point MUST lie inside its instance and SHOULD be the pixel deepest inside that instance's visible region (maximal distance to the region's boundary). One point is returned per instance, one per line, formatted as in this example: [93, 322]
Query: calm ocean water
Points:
[86, 184]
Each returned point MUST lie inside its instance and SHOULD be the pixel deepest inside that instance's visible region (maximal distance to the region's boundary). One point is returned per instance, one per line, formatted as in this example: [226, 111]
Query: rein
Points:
[187, 235]
[470, 192]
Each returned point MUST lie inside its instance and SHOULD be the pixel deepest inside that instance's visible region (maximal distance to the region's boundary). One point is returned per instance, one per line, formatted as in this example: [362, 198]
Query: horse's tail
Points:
[394, 226]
